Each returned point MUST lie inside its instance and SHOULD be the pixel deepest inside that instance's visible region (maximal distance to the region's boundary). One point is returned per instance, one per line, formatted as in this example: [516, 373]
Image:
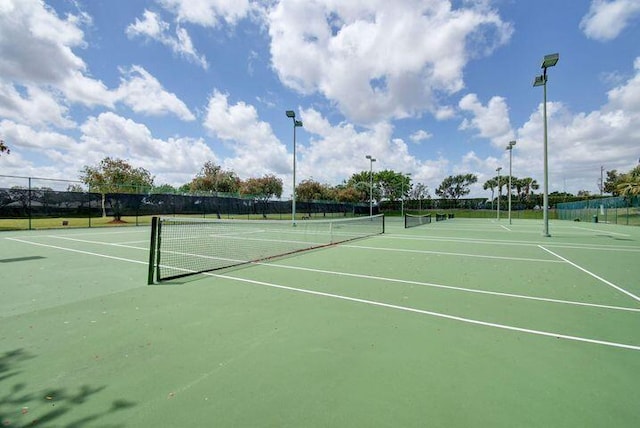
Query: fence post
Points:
[29, 203]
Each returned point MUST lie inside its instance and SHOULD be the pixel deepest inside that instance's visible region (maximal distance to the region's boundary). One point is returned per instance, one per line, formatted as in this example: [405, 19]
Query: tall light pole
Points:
[510, 148]
[498, 169]
[371, 161]
[296, 124]
[408, 175]
[547, 61]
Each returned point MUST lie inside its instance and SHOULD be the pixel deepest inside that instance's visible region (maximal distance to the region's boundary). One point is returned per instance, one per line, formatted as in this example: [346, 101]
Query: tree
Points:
[526, 185]
[392, 184]
[4, 148]
[347, 194]
[263, 188]
[361, 182]
[420, 191]
[164, 189]
[74, 188]
[115, 176]
[455, 187]
[212, 178]
[629, 183]
[311, 190]
[611, 183]
[491, 183]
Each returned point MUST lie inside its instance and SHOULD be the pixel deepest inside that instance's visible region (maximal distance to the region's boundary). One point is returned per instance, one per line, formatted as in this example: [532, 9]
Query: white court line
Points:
[622, 290]
[378, 278]
[89, 253]
[435, 314]
[511, 243]
[482, 256]
[450, 287]
[601, 231]
[371, 302]
[505, 227]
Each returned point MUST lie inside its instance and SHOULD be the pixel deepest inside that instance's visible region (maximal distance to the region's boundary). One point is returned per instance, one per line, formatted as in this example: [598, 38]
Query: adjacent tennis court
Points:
[450, 323]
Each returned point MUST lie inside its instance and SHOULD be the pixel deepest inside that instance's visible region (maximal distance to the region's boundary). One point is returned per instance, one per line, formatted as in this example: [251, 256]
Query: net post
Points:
[152, 249]
[383, 223]
[158, 246]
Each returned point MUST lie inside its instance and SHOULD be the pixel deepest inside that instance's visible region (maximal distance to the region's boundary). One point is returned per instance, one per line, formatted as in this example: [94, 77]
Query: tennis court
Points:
[455, 323]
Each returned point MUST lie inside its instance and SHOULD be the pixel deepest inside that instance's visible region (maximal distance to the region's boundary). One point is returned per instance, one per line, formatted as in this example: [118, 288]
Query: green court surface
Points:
[456, 323]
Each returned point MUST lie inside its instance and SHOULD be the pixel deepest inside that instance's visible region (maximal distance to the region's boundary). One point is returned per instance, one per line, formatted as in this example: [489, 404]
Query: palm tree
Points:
[491, 184]
[630, 186]
[528, 184]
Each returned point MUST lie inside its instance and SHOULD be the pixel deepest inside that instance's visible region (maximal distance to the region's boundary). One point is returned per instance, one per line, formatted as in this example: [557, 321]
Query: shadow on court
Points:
[23, 404]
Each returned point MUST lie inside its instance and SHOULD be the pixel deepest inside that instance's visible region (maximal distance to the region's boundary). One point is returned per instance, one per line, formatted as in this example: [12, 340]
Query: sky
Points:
[430, 88]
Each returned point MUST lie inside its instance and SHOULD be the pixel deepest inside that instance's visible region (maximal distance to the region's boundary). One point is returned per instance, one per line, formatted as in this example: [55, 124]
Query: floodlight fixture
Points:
[550, 60]
[291, 113]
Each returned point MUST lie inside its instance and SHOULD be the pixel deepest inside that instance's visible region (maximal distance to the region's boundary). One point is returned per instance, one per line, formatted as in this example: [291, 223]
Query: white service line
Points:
[435, 314]
[609, 283]
[443, 253]
[450, 287]
[601, 231]
[599, 247]
[89, 253]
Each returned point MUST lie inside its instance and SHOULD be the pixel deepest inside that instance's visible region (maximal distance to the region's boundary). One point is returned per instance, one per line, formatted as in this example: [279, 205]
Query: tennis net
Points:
[188, 246]
[412, 220]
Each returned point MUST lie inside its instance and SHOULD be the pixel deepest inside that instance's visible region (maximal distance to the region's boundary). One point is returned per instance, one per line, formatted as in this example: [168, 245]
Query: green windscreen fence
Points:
[37, 203]
[617, 210]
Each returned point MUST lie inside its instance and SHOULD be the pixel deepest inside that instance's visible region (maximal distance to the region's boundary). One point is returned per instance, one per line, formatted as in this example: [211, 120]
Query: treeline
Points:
[118, 176]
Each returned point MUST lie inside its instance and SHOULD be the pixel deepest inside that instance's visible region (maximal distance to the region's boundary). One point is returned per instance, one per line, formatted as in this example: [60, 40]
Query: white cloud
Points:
[144, 94]
[256, 150]
[378, 60]
[626, 97]
[420, 135]
[208, 13]
[491, 121]
[335, 152]
[175, 160]
[21, 135]
[326, 153]
[151, 26]
[37, 49]
[580, 143]
[607, 19]
[34, 106]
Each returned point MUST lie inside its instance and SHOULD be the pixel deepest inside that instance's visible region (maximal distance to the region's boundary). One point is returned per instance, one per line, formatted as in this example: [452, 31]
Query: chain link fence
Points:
[27, 206]
[616, 210]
